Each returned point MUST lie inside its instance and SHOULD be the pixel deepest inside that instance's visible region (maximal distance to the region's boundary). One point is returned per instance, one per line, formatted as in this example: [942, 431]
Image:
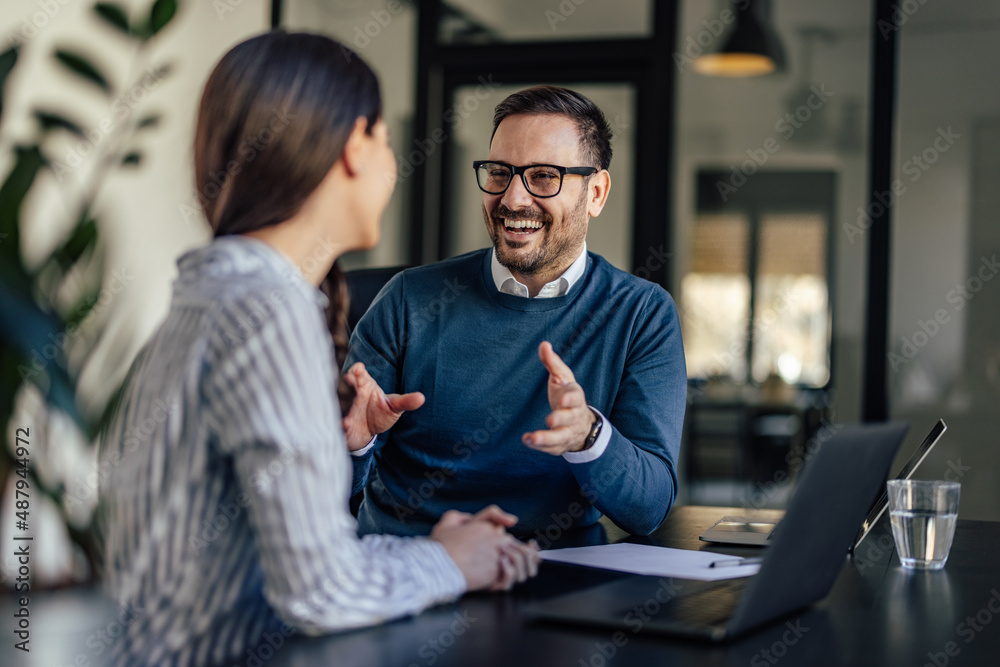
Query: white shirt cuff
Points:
[595, 451]
[371, 443]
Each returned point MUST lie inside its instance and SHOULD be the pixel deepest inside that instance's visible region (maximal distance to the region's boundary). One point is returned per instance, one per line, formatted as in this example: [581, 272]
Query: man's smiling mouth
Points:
[521, 227]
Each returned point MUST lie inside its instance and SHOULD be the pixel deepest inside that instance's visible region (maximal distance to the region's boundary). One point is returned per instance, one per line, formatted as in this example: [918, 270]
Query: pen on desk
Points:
[733, 562]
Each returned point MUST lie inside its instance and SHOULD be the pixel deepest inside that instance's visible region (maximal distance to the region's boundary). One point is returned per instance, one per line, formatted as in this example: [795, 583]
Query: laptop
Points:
[758, 532]
[805, 557]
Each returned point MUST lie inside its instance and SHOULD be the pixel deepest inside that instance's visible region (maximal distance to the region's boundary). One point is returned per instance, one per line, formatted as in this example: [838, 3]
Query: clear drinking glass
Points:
[923, 515]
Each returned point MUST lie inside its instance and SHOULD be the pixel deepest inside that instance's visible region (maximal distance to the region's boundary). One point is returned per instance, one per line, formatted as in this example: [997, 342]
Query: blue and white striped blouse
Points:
[225, 503]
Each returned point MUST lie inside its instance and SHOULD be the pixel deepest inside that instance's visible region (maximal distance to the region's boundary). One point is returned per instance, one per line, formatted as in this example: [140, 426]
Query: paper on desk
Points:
[650, 560]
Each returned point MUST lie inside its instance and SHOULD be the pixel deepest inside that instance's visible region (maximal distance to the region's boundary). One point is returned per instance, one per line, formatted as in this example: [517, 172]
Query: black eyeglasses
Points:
[540, 180]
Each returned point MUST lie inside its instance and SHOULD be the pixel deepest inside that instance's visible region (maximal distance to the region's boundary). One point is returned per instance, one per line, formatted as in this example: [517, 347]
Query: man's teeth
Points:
[522, 224]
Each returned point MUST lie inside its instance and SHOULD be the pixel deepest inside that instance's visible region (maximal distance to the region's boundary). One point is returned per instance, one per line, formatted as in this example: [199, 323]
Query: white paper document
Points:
[654, 561]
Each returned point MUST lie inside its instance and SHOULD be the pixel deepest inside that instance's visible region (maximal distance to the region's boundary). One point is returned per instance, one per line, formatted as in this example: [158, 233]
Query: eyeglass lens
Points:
[541, 181]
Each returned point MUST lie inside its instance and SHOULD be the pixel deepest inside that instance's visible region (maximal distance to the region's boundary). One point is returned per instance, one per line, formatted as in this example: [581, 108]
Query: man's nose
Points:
[517, 196]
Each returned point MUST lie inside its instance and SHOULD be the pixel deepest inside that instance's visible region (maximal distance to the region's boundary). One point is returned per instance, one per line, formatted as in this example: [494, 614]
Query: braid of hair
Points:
[335, 288]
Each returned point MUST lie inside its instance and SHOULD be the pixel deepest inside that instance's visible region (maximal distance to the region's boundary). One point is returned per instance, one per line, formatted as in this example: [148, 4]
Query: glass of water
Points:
[923, 515]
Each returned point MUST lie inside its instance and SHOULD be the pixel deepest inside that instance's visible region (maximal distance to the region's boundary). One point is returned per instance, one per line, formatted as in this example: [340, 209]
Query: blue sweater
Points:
[445, 330]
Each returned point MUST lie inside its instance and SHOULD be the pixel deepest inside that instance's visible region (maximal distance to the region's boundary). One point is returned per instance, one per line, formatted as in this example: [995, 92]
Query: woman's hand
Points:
[372, 411]
[488, 556]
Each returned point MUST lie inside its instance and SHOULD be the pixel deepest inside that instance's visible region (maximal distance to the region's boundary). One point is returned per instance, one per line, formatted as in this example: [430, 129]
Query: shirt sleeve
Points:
[362, 462]
[634, 480]
[367, 448]
[272, 405]
[600, 443]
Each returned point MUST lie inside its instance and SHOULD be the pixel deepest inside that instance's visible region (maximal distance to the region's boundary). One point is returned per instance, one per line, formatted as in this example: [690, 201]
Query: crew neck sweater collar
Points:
[505, 281]
[523, 304]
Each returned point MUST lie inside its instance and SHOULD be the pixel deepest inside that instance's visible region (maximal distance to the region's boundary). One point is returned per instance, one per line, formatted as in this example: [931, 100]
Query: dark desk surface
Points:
[877, 614]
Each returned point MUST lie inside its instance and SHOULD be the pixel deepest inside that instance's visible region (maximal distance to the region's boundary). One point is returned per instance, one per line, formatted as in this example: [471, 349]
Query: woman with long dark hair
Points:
[225, 511]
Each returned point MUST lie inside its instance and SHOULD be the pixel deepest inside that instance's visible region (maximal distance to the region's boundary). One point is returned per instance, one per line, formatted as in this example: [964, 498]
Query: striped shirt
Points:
[226, 477]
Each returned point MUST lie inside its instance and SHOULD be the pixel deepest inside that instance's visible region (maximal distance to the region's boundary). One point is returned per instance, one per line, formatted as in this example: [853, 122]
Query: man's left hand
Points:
[570, 421]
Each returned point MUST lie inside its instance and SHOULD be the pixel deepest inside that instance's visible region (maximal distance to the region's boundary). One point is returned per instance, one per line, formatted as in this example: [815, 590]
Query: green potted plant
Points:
[38, 322]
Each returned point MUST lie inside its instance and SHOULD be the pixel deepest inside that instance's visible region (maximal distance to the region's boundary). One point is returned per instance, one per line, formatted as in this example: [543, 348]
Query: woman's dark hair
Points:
[595, 133]
[274, 118]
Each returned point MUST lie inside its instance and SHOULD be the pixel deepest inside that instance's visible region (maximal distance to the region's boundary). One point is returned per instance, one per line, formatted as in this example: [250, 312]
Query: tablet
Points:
[907, 471]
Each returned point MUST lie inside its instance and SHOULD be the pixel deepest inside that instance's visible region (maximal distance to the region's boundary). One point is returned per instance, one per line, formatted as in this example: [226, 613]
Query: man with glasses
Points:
[554, 383]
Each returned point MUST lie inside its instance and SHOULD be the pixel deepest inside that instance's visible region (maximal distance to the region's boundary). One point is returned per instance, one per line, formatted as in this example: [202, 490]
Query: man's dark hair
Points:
[595, 133]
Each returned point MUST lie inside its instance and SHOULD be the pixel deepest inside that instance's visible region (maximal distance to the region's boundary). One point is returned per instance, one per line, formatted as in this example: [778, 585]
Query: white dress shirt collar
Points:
[508, 284]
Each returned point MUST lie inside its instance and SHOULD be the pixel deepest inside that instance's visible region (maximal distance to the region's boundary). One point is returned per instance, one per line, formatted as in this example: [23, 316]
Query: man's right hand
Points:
[487, 555]
[372, 411]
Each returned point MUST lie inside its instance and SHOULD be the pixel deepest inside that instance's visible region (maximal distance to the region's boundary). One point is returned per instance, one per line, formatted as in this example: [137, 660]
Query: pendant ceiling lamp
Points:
[750, 48]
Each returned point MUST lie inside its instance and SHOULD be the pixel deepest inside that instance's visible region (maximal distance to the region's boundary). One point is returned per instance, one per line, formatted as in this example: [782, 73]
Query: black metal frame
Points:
[276, 13]
[875, 387]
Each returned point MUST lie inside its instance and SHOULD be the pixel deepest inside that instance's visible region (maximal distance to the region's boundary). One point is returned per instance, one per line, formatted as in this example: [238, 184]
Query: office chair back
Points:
[362, 286]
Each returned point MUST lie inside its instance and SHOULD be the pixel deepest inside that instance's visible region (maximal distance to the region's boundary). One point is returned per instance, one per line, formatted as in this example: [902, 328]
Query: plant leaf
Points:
[114, 15]
[26, 327]
[29, 332]
[148, 121]
[132, 159]
[10, 381]
[61, 392]
[83, 67]
[52, 121]
[27, 163]
[80, 240]
[7, 61]
[79, 311]
[160, 15]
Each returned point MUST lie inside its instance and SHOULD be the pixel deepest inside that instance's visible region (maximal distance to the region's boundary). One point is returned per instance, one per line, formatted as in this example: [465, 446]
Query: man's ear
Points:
[597, 195]
[356, 149]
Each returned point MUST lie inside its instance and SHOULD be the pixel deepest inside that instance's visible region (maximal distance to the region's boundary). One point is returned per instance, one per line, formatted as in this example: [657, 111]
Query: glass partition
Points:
[944, 350]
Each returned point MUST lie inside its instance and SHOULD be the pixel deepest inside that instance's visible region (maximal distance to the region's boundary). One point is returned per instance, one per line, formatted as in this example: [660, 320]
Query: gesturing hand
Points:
[372, 411]
[570, 420]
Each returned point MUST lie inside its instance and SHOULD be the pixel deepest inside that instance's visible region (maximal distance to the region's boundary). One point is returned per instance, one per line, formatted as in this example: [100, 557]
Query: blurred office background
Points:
[750, 199]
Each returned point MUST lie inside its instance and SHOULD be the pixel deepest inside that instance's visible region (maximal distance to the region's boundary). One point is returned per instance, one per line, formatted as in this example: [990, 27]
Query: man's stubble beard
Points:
[550, 251]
